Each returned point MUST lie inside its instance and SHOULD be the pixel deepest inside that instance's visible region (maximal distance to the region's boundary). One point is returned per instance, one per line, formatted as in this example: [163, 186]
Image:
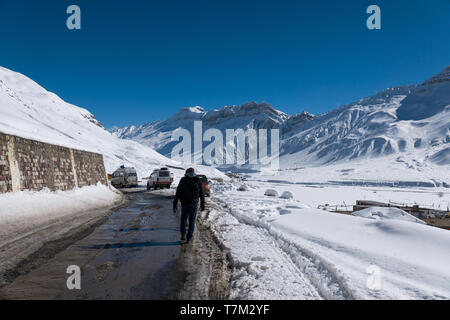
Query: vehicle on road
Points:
[160, 179]
[205, 185]
[124, 177]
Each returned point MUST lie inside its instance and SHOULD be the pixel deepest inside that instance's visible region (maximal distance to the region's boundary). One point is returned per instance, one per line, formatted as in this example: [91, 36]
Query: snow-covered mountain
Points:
[30, 111]
[411, 121]
[157, 135]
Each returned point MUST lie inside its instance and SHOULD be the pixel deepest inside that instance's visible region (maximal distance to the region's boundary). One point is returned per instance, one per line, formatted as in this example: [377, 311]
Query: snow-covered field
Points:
[390, 171]
[316, 194]
[288, 249]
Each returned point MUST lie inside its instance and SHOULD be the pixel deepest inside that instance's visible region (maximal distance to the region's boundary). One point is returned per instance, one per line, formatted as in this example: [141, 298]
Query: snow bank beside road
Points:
[29, 207]
[412, 258]
[333, 251]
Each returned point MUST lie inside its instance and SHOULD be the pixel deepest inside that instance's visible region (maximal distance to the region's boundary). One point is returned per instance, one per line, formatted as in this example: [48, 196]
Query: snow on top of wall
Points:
[386, 213]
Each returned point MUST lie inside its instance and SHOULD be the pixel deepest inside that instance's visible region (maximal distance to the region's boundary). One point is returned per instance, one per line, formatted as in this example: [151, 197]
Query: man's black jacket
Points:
[189, 190]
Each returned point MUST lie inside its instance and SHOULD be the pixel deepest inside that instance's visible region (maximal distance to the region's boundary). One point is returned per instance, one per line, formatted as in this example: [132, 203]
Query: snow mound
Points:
[287, 195]
[243, 187]
[386, 213]
[271, 193]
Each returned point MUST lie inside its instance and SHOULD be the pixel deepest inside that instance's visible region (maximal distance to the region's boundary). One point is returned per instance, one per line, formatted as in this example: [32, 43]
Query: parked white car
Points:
[124, 178]
[160, 179]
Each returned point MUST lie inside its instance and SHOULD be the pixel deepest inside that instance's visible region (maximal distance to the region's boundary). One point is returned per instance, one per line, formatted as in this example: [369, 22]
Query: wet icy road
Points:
[133, 255]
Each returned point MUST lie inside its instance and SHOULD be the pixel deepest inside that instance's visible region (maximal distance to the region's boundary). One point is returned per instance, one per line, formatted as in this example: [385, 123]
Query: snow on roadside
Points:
[261, 271]
[37, 207]
[412, 258]
[334, 252]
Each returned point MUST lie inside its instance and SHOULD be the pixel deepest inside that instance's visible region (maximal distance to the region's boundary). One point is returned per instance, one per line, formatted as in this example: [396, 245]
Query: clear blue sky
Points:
[138, 61]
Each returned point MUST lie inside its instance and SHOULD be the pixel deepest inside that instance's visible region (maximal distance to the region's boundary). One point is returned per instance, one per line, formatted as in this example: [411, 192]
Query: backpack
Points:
[188, 190]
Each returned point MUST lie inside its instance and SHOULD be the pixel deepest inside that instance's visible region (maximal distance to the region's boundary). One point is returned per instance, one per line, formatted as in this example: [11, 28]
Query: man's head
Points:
[190, 172]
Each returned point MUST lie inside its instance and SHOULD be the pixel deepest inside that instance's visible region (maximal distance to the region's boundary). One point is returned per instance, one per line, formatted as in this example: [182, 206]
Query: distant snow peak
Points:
[196, 109]
[302, 117]
[194, 113]
[260, 107]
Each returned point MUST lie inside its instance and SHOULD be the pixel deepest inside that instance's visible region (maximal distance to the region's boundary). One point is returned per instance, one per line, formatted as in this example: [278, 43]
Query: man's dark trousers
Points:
[188, 212]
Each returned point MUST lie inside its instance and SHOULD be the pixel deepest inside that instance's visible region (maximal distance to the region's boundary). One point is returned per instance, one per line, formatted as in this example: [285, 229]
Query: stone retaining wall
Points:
[33, 165]
[89, 168]
[5, 173]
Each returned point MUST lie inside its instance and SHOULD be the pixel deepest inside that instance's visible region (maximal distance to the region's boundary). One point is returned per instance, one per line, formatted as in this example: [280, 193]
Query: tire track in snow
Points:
[326, 280]
[264, 272]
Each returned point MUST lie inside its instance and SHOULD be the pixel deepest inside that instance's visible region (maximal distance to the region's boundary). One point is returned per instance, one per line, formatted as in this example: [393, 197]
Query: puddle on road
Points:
[134, 245]
[151, 207]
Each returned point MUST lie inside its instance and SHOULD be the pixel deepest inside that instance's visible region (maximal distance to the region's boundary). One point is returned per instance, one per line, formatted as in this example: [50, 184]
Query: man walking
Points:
[189, 190]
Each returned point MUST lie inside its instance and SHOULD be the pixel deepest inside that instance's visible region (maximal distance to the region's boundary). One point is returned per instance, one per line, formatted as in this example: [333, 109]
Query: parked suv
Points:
[160, 178]
[124, 178]
[205, 185]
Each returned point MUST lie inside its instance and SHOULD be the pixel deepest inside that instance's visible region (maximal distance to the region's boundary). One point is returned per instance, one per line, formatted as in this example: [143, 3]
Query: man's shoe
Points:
[183, 237]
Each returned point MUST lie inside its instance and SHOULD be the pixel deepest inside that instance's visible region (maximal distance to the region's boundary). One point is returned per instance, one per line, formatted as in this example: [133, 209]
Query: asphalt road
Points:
[134, 254]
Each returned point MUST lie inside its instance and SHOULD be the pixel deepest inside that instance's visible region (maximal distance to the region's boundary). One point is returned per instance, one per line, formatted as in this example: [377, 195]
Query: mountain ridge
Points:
[371, 127]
